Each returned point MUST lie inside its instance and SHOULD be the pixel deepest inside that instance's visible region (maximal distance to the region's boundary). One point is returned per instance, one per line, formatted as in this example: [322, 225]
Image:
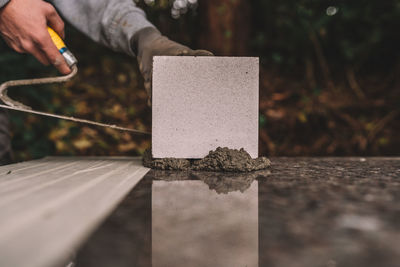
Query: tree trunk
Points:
[225, 26]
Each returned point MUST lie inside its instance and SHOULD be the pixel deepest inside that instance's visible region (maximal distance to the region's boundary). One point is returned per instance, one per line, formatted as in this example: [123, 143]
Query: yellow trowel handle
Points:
[59, 43]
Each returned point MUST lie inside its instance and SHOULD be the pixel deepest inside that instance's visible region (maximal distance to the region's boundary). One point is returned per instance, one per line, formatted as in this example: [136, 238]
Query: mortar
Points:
[221, 159]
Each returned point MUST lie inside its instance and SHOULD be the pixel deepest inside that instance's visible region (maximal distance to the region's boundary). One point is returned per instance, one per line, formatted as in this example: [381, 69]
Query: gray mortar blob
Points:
[222, 159]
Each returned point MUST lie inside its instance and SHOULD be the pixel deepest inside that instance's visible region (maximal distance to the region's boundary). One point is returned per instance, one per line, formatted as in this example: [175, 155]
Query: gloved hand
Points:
[149, 42]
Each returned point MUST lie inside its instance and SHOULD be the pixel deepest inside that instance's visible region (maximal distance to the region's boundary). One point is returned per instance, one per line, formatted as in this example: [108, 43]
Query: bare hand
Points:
[23, 25]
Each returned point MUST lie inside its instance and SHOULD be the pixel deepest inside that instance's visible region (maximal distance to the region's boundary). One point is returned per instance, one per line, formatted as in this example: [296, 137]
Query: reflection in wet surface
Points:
[192, 224]
[175, 219]
[306, 212]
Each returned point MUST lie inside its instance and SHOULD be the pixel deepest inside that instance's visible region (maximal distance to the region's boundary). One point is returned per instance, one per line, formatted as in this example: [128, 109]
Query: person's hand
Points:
[148, 43]
[23, 25]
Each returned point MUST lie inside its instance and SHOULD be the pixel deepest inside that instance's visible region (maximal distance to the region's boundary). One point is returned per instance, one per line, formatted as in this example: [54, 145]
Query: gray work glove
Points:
[149, 42]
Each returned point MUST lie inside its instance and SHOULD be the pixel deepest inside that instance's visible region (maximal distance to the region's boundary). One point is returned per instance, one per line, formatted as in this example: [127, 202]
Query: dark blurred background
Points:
[329, 79]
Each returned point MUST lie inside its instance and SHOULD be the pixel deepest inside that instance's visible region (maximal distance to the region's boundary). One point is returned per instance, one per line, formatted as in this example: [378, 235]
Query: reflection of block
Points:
[194, 226]
[200, 103]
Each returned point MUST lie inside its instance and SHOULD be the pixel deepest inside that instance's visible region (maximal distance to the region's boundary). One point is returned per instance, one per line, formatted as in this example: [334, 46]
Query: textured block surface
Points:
[200, 103]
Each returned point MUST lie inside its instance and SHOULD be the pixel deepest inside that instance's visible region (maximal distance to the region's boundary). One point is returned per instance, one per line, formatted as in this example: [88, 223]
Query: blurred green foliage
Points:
[328, 84]
[360, 32]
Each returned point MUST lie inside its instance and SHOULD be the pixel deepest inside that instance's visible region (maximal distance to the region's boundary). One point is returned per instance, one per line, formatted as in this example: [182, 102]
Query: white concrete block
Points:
[201, 103]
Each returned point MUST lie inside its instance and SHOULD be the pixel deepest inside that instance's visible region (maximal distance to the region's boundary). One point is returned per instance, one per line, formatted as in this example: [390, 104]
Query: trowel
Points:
[72, 63]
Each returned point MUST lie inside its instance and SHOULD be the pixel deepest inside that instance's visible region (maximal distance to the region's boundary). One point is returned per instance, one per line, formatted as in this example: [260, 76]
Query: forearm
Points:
[110, 22]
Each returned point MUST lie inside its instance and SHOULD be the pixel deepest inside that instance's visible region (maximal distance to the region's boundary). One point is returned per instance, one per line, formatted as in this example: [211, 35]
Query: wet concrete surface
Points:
[301, 212]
